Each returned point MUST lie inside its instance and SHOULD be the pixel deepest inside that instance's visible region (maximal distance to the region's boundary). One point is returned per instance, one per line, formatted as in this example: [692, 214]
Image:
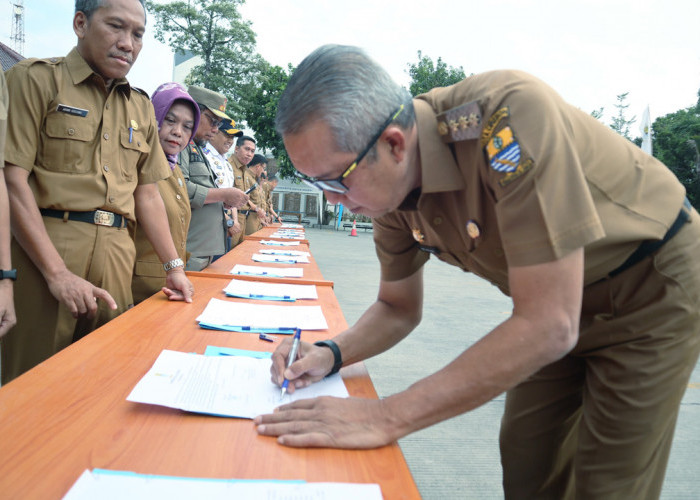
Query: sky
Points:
[589, 51]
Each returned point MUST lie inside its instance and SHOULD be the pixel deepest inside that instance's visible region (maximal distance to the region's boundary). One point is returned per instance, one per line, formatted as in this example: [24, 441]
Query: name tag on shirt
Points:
[62, 108]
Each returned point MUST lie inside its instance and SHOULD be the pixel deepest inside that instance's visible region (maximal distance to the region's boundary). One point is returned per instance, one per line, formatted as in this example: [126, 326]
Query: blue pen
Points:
[292, 357]
[131, 134]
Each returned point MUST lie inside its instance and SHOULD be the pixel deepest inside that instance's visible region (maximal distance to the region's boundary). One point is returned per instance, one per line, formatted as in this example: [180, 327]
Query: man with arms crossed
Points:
[82, 157]
[596, 246]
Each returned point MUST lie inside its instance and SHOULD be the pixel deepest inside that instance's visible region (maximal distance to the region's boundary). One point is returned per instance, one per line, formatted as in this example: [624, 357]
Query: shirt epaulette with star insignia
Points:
[460, 123]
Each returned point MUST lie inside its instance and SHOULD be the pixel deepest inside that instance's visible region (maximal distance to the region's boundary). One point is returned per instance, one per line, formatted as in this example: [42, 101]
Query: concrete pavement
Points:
[459, 458]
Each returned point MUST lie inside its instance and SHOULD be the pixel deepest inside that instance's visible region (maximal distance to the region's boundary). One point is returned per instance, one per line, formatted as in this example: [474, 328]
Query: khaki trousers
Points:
[252, 223]
[102, 255]
[599, 423]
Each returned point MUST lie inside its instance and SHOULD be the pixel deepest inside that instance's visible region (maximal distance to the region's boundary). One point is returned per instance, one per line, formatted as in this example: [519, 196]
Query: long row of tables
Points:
[70, 413]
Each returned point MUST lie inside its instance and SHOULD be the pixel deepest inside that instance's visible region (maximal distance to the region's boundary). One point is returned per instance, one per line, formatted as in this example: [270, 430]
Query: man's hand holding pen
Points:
[312, 364]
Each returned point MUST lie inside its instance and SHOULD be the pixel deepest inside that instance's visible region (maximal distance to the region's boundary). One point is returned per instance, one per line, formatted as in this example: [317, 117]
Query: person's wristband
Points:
[337, 358]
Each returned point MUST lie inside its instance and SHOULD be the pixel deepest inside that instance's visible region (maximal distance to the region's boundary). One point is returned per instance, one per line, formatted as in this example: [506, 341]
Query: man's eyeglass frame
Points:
[336, 185]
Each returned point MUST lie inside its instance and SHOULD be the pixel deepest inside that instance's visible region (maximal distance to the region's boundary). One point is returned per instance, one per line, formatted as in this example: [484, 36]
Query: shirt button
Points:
[106, 168]
[107, 106]
[106, 136]
[139, 144]
[111, 199]
[437, 221]
[178, 196]
[71, 131]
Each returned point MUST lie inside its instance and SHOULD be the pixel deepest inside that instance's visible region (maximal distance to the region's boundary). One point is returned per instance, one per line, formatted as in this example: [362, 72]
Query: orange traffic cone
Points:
[354, 229]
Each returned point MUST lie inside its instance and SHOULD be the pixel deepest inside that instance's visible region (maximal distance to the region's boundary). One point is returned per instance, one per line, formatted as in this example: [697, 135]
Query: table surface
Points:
[70, 413]
[266, 232]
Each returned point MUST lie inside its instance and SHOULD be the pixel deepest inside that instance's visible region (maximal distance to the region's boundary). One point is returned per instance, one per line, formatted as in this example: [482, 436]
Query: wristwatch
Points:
[172, 264]
[229, 222]
[337, 358]
[10, 274]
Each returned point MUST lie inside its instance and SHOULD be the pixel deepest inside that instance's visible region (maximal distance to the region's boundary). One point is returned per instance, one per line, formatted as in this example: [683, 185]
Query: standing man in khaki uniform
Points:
[242, 155]
[7, 274]
[82, 157]
[257, 217]
[591, 238]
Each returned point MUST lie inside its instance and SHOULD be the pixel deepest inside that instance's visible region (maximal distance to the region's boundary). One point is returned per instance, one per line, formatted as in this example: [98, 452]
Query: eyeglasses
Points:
[215, 122]
[336, 185]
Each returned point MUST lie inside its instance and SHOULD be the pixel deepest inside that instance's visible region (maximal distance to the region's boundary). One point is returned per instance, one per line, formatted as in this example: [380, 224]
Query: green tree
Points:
[620, 123]
[676, 143]
[260, 110]
[215, 31]
[426, 75]
[598, 113]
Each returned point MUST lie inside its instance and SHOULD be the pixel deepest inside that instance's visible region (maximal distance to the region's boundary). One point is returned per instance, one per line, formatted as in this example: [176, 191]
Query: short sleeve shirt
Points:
[86, 147]
[514, 176]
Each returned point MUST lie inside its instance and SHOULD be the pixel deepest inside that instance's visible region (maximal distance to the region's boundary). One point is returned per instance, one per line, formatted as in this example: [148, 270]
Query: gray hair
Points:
[344, 87]
[88, 7]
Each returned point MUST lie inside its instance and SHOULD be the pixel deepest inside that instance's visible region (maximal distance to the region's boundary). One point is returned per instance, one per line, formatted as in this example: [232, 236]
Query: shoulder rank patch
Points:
[460, 123]
[141, 91]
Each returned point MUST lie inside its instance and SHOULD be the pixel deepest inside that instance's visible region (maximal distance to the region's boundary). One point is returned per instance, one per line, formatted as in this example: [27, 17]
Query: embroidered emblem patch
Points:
[503, 151]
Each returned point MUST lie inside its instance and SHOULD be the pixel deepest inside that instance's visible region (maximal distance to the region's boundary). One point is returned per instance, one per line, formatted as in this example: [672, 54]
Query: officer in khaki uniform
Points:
[247, 214]
[82, 157]
[591, 238]
[258, 215]
[7, 275]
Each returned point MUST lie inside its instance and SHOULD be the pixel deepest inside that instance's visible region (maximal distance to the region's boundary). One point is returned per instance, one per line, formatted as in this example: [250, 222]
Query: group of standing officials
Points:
[109, 195]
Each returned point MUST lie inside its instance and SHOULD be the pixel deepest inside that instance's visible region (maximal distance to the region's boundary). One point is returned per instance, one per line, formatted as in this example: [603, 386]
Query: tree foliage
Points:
[676, 141]
[620, 123]
[215, 31]
[260, 110]
[426, 75]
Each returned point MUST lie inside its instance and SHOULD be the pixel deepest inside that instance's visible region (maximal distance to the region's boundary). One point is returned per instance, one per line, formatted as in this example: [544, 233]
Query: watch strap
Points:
[8, 274]
[337, 358]
[172, 264]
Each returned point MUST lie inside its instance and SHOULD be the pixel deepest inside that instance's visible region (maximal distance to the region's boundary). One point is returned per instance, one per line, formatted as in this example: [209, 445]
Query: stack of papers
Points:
[270, 291]
[281, 259]
[112, 484]
[287, 225]
[278, 243]
[273, 272]
[243, 317]
[226, 386]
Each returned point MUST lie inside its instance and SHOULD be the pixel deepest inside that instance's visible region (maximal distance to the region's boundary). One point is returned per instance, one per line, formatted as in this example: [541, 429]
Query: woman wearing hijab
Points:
[177, 115]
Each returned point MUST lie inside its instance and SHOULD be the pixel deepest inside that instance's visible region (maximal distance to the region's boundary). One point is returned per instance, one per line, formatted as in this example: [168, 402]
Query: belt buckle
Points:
[103, 218]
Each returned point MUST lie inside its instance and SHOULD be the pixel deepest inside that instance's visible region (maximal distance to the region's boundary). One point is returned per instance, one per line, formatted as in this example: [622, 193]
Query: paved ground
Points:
[459, 458]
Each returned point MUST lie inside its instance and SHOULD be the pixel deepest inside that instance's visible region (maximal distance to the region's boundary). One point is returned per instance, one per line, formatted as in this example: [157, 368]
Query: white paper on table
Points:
[270, 251]
[281, 272]
[287, 235]
[281, 259]
[228, 313]
[250, 289]
[117, 485]
[229, 386]
[280, 243]
[287, 225]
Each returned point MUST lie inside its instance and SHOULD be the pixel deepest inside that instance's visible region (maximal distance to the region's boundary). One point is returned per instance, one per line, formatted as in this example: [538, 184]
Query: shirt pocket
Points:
[67, 144]
[134, 145]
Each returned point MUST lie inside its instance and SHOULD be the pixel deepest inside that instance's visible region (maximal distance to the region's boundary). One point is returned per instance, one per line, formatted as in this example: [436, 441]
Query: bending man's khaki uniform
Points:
[85, 148]
[514, 176]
